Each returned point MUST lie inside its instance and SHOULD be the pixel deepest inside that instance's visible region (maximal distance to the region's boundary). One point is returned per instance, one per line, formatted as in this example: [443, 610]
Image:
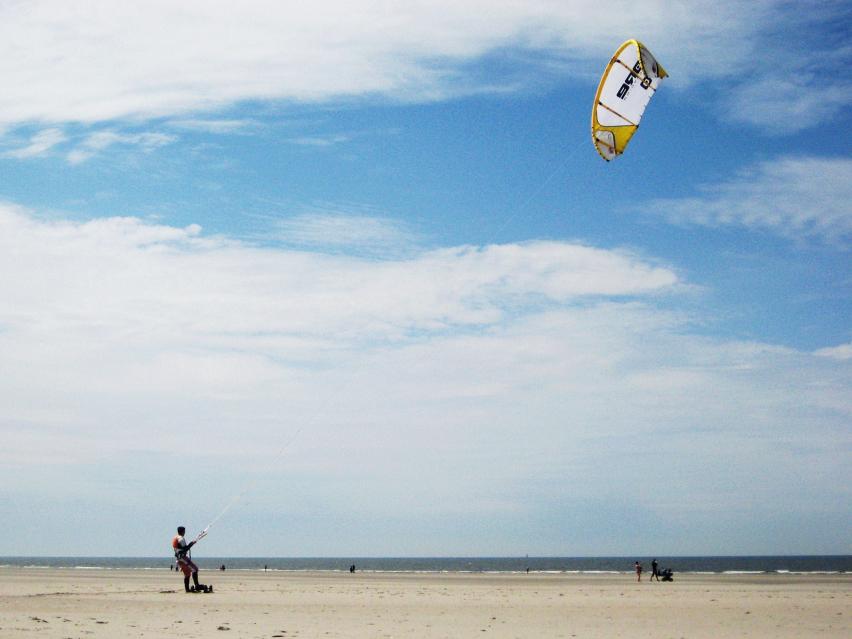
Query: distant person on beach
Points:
[655, 570]
[352, 568]
[638, 571]
[183, 558]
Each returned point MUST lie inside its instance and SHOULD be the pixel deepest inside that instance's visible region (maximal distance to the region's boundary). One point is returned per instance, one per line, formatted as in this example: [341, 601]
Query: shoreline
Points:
[369, 571]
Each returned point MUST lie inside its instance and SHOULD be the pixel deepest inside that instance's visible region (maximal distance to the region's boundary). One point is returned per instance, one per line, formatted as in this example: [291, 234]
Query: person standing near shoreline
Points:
[655, 570]
[184, 560]
[638, 571]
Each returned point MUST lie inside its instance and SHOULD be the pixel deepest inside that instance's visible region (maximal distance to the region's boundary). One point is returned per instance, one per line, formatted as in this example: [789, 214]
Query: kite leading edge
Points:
[630, 79]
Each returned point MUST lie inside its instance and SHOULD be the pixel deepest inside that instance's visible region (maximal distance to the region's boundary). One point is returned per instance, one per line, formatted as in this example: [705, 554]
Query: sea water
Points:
[785, 564]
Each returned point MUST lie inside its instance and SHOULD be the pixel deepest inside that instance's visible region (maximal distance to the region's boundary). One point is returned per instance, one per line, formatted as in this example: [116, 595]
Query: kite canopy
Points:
[629, 81]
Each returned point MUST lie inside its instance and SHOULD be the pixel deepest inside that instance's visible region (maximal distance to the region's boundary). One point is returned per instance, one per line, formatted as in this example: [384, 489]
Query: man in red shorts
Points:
[184, 560]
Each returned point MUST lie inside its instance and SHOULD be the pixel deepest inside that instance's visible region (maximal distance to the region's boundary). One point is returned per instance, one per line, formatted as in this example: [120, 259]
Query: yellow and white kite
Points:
[629, 81]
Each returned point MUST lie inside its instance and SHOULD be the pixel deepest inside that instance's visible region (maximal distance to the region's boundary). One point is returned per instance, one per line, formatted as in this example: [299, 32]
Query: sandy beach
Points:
[144, 603]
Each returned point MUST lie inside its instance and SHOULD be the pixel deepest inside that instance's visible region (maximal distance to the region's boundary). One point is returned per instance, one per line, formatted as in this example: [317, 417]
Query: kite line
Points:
[522, 208]
[248, 486]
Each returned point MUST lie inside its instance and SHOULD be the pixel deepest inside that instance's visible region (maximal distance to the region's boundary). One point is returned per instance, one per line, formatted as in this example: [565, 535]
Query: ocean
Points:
[785, 564]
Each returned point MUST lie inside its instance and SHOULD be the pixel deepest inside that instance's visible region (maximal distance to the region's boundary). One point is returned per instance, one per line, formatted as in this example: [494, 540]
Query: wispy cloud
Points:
[40, 144]
[334, 230]
[792, 84]
[840, 352]
[451, 286]
[796, 197]
[102, 140]
[221, 127]
[789, 103]
[320, 140]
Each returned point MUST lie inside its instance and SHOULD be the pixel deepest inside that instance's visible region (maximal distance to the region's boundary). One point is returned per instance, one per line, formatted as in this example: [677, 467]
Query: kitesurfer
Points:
[184, 560]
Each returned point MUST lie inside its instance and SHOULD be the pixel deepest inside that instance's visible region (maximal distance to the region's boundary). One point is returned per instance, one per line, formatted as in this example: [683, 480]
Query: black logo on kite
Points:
[628, 81]
[625, 88]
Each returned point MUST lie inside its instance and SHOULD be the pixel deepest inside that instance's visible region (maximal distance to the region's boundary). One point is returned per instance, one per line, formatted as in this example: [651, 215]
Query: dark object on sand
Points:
[666, 574]
[352, 568]
[201, 588]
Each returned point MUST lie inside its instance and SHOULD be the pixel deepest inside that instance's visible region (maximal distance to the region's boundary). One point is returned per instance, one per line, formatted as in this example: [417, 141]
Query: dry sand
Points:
[137, 603]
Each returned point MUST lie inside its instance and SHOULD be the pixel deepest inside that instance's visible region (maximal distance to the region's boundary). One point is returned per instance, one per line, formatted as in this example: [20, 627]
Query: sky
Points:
[349, 279]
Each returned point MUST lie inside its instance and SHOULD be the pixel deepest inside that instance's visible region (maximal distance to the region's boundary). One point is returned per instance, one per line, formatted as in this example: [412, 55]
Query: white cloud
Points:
[39, 145]
[839, 352]
[794, 197]
[103, 61]
[59, 61]
[101, 140]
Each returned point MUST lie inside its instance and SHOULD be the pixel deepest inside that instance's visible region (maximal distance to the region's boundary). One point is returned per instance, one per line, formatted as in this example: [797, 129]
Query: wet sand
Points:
[141, 603]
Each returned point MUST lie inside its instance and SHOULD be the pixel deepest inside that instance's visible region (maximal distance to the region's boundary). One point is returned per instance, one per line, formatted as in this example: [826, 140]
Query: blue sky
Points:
[379, 233]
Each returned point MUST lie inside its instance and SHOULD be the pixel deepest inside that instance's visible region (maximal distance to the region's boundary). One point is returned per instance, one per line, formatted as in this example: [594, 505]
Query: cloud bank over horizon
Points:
[465, 373]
